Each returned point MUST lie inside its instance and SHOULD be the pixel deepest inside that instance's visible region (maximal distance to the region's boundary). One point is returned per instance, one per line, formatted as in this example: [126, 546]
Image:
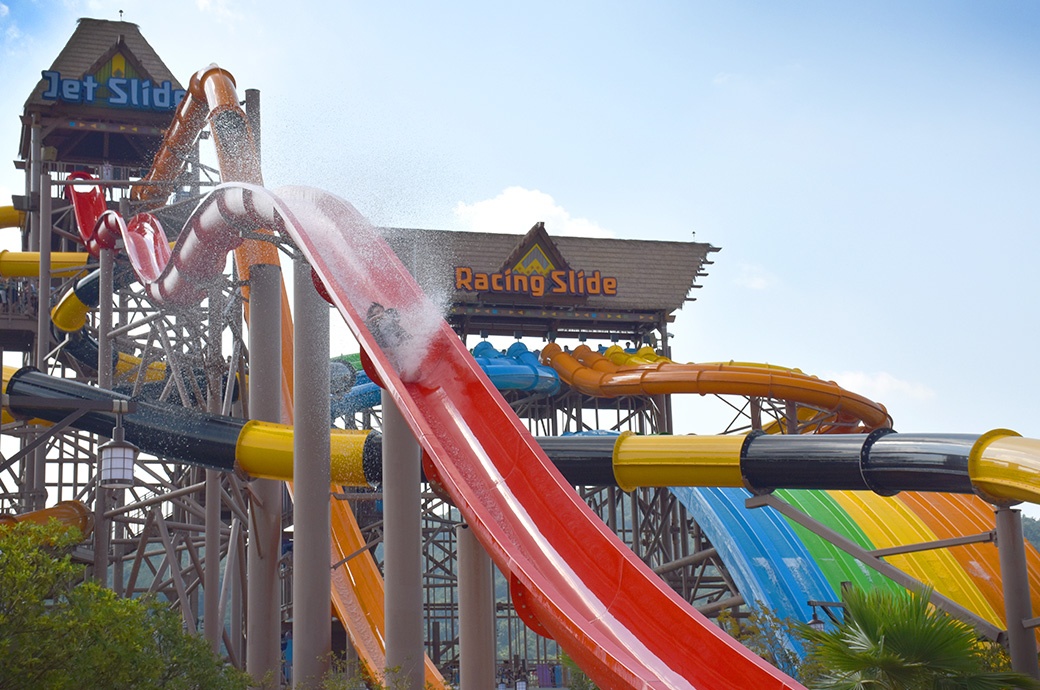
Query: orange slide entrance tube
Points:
[594, 374]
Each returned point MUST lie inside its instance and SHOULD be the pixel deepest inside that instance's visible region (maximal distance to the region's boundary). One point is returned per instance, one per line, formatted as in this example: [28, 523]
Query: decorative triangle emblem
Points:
[535, 271]
[534, 261]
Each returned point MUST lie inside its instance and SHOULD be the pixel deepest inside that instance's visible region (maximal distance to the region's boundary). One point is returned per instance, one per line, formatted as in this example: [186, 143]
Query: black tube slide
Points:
[210, 441]
[174, 432]
[882, 461]
[582, 460]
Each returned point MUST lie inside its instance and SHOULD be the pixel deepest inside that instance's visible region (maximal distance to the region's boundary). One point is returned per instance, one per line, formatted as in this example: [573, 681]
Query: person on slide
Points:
[385, 325]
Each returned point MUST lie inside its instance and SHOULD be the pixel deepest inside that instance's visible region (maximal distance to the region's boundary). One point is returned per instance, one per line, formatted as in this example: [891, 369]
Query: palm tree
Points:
[900, 642]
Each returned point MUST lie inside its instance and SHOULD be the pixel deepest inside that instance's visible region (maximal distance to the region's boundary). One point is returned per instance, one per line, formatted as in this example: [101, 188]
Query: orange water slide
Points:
[71, 513]
[958, 515]
[596, 375]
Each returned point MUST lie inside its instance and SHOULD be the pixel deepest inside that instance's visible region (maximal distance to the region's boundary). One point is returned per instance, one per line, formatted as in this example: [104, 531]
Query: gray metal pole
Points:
[476, 613]
[37, 479]
[102, 526]
[1014, 575]
[212, 627]
[402, 551]
[263, 596]
[312, 541]
[35, 167]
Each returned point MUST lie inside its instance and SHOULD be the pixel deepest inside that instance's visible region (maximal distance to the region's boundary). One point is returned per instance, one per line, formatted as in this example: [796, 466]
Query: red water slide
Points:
[578, 582]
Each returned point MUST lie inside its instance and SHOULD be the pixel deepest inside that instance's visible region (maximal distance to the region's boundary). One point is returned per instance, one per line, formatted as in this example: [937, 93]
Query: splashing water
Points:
[331, 223]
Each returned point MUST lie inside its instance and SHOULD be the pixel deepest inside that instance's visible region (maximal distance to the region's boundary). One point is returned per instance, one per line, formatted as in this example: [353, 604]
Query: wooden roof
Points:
[76, 129]
[654, 278]
[92, 41]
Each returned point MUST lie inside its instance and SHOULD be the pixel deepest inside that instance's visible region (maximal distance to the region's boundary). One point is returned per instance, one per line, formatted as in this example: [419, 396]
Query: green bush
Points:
[58, 632]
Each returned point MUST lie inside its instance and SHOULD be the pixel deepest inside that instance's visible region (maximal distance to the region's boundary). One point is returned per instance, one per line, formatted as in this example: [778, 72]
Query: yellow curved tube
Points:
[677, 461]
[1004, 467]
[127, 365]
[265, 449]
[70, 313]
[645, 355]
[11, 218]
[27, 264]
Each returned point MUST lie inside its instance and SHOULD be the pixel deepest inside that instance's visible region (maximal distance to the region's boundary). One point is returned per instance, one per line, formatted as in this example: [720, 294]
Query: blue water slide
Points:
[362, 395]
[765, 558]
[516, 369]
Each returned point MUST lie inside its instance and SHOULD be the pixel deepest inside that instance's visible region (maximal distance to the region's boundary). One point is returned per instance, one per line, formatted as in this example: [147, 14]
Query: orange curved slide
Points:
[593, 374]
[958, 515]
[72, 513]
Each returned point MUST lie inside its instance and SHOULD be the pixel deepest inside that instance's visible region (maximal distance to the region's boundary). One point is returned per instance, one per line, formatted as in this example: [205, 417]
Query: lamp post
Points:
[117, 459]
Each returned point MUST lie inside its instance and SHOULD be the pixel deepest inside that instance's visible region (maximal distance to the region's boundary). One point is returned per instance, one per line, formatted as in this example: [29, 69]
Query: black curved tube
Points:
[174, 432]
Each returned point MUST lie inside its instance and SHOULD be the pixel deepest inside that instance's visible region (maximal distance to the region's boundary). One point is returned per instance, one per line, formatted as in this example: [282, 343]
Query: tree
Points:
[898, 641]
[765, 634]
[1031, 530]
[58, 632]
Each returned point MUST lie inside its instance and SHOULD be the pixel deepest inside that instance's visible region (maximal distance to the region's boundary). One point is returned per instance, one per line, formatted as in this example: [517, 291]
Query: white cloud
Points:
[754, 277]
[516, 209]
[225, 10]
[881, 386]
[4, 10]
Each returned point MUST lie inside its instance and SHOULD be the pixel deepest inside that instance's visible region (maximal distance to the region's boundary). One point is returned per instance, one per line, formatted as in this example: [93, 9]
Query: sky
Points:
[870, 171]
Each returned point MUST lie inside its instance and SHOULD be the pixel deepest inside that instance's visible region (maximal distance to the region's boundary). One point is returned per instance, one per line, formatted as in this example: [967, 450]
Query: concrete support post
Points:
[102, 526]
[402, 550]
[213, 627]
[1014, 575]
[35, 168]
[36, 478]
[312, 542]
[476, 613]
[263, 595]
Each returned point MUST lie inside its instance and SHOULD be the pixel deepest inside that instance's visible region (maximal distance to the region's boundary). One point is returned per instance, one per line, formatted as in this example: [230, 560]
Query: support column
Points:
[103, 526]
[312, 541]
[263, 596]
[213, 626]
[476, 613]
[1014, 575]
[36, 477]
[402, 550]
[35, 168]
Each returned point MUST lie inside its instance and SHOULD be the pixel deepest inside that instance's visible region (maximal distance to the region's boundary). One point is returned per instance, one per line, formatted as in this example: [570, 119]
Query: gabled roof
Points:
[87, 133]
[652, 276]
[535, 253]
[93, 40]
